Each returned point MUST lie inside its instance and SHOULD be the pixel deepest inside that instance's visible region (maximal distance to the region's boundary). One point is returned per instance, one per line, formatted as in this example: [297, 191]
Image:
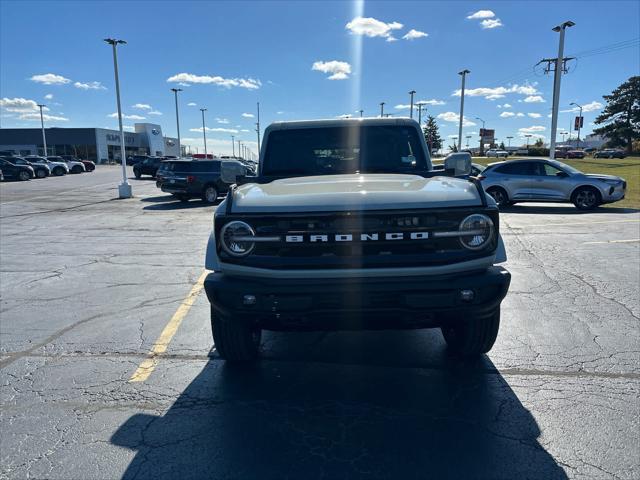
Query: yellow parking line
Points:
[576, 223]
[633, 240]
[160, 346]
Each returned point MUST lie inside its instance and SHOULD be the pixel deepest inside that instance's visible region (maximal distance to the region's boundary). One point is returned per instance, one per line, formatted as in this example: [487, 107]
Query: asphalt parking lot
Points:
[89, 283]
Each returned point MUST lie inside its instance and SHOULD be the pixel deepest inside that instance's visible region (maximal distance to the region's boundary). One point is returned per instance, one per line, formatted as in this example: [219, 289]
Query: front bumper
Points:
[357, 303]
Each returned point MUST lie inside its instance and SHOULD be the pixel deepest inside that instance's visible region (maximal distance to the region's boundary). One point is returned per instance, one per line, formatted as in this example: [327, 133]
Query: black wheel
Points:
[58, 171]
[76, 169]
[182, 198]
[210, 194]
[41, 173]
[500, 196]
[474, 336]
[137, 173]
[235, 341]
[586, 198]
[24, 175]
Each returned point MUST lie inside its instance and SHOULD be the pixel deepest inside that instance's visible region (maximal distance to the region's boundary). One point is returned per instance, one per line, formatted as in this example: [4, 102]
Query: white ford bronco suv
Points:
[347, 227]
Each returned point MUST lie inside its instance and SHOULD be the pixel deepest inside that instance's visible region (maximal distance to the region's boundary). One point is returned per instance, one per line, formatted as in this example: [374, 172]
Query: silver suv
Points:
[542, 180]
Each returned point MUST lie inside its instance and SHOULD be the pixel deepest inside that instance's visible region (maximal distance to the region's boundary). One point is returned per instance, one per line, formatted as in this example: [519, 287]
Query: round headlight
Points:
[477, 230]
[233, 238]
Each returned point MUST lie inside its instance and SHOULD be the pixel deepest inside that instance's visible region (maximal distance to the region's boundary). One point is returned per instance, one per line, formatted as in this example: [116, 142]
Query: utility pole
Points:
[381, 109]
[579, 122]
[463, 73]
[204, 133]
[124, 189]
[44, 137]
[175, 92]
[509, 138]
[258, 126]
[239, 148]
[560, 62]
[412, 93]
[233, 146]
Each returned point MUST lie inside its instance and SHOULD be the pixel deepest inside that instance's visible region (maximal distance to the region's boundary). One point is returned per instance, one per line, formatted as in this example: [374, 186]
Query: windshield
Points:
[565, 167]
[338, 150]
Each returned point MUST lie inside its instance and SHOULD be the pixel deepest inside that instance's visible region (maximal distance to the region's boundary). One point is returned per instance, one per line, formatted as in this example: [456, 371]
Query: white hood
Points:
[358, 192]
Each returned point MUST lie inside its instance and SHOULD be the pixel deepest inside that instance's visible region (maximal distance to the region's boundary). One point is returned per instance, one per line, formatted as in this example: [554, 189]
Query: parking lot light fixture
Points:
[381, 109]
[557, 75]
[44, 137]
[528, 135]
[124, 189]
[463, 74]
[411, 93]
[509, 138]
[175, 92]
[204, 132]
[233, 146]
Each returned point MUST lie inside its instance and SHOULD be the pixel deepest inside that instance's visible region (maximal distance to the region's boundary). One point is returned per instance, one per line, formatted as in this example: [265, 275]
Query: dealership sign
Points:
[114, 137]
[487, 135]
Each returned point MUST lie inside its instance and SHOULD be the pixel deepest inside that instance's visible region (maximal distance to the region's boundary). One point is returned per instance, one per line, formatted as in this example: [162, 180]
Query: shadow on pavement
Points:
[359, 414]
[564, 210]
[169, 202]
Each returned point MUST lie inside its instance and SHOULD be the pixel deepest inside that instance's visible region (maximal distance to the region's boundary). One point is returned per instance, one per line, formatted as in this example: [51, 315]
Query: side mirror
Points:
[458, 163]
[562, 174]
[232, 172]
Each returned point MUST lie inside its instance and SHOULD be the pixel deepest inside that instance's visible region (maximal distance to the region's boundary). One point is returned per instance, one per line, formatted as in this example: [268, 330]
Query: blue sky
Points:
[303, 59]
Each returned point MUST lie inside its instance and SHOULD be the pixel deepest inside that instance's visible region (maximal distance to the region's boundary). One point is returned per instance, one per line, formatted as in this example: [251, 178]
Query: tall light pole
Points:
[528, 135]
[124, 189]
[44, 137]
[509, 138]
[557, 75]
[175, 93]
[454, 138]
[361, 112]
[233, 146]
[411, 93]
[467, 137]
[204, 133]
[463, 73]
[258, 126]
[381, 109]
[420, 105]
[579, 121]
[239, 154]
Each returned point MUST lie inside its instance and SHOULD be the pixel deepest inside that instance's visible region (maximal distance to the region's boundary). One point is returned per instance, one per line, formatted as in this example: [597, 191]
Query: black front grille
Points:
[356, 254]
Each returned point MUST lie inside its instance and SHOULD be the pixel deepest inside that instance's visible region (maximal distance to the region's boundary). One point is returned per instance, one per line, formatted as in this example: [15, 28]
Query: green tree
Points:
[502, 147]
[539, 143]
[621, 116]
[432, 135]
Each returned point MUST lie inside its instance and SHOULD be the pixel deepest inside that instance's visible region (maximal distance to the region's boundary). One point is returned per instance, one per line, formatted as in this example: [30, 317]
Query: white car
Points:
[497, 153]
[57, 168]
[74, 167]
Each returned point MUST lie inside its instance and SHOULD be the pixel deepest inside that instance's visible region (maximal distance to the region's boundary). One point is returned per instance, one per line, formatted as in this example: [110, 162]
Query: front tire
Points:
[137, 174]
[235, 341]
[474, 336]
[41, 174]
[76, 169]
[500, 195]
[24, 176]
[210, 194]
[586, 198]
[58, 171]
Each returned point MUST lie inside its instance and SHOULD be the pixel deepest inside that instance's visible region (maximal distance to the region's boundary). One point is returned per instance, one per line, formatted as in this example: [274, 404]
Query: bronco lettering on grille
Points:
[350, 237]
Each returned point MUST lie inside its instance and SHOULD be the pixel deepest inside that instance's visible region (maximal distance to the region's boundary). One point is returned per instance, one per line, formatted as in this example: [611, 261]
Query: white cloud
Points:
[45, 117]
[372, 27]
[507, 114]
[589, 107]
[534, 99]
[155, 112]
[222, 121]
[127, 117]
[279, 112]
[184, 84]
[142, 106]
[48, 96]
[248, 115]
[455, 118]
[50, 79]
[249, 83]
[481, 14]
[90, 86]
[217, 129]
[534, 115]
[433, 101]
[413, 34]
[507, 105]
[338, 70]
[519, 114]
[191, 104]
[498, 92]
[532, 129]
[20, 105]
[245, 130]
[491, 23]
[391, 39]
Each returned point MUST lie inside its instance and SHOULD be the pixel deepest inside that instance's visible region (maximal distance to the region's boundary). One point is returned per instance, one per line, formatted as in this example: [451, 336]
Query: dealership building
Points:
[100, 145]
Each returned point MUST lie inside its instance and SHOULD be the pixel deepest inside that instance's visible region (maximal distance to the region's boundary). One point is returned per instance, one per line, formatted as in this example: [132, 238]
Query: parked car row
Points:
[32, 166]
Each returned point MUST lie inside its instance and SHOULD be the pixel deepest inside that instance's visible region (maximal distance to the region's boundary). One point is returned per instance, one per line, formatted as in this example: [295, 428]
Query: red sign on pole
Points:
[578, 123]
